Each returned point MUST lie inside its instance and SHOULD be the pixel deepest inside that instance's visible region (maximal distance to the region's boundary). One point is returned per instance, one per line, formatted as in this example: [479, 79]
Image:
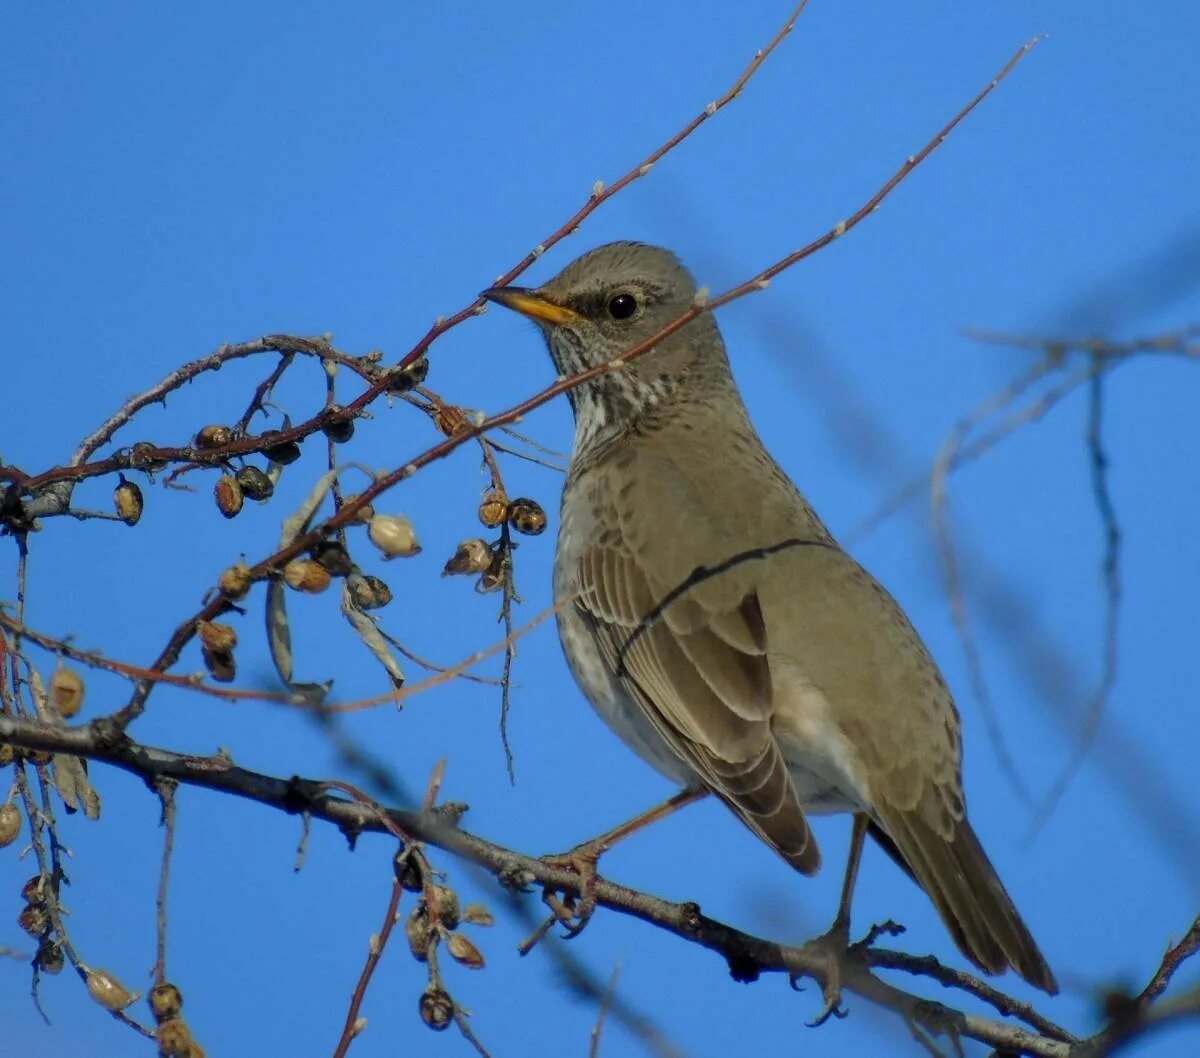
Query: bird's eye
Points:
[622, 306]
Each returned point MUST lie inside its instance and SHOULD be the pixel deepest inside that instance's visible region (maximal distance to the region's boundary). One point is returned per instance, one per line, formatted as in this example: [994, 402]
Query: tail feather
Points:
[964, 887]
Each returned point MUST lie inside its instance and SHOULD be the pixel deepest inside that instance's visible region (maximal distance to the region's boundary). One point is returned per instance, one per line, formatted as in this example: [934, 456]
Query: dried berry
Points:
[339, 431]
[472, 556]
[229, 495]
[236, 580]
[477, 915]
[216, 636]
[526, 516]
[127, 500]
[364, 513]
[220, 664]
[368, 592]
[255, 484]
[108, 991]
[493, 510]
[419, 933]
[402, 379]
[214, 437]
[283, 453]
[50, 957]
[437, 1008]
[394, 535]
[463, 951]
[165, 1001]
[303, 574]
[33, 920]
[10, 824]
[334, 557]
[66, 691]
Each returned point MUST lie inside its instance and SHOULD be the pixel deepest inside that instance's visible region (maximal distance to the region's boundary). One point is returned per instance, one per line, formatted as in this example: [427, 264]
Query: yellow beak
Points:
[530, 303]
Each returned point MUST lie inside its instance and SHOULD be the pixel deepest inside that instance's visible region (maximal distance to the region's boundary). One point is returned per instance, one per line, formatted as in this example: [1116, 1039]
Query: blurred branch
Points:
[747, 956]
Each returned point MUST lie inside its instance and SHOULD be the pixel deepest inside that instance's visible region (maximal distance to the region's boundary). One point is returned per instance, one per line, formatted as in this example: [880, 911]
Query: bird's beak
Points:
[530, 303]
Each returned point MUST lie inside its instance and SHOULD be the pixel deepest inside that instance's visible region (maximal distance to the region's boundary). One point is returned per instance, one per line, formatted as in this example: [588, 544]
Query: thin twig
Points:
[166, 795]
[377, 943]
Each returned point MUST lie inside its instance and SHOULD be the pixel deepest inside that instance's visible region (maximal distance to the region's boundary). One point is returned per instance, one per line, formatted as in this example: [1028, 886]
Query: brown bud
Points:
[108, 991]
[437, 1008]
[334, 557]
[338, 431]
[477, 915]
[285, 453]
[216, 636]
[255, 484]
[50, 957]
[394, 535]
[303, 574]
[214, 437]
[402, 379]
[165, 1001]
[220, 664]
[33, 920]
[493, 509]
[236, 580]
[174, 1038]
[419, 933]
[127, 500]
[363, 515]
[526, 516]
[10, 824]
[141, 455]
[443, 906]
[463, 951]
[472, 556]
[368, 592]
[66, 691]
[229, 495]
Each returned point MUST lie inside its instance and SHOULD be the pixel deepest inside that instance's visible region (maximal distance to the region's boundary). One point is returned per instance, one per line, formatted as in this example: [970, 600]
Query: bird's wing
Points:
[691, 652]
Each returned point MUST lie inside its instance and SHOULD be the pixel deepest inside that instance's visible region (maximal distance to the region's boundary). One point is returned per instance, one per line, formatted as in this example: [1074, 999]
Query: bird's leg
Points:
[835, 942]
[582, 859]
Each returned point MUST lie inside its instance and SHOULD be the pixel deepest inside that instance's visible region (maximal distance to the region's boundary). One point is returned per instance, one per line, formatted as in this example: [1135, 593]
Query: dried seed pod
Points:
[450, 419]
[526, 516]
[303, 574]
[174, 1038]
[282, 453]
[66, 691]
[49, 957]
[229, 495]
[214, 436]
[368, 592]
[108, 991]
[402, 379]
[236, 580]
[165, 1000]
[494, 576]
[394, 535]
[127, 501]
[216, 637]
[255, 484]
[363, 515]
[10, 824]
[472, 556]
[437, 1008]
[477, 915]
[407, 868]
[33, 920]
[493, 509]
[334, 557]
[443, 906]
[220, 664]
[339, 431]
[141, 455]
[34, 891]
[7, 753]
[418, 932]
[463, 951]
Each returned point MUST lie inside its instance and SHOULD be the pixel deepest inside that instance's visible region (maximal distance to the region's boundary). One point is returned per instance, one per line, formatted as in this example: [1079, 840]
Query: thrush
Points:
[719, 629]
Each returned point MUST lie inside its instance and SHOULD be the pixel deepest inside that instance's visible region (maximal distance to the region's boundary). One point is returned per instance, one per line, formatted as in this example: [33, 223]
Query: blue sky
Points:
[175, 179]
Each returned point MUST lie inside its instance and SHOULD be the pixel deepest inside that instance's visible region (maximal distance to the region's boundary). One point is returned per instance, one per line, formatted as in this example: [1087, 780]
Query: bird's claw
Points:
[573, 912]
[832, 946]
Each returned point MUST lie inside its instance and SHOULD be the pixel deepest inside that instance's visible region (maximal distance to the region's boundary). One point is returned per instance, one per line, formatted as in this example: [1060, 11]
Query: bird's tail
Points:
[964, 887]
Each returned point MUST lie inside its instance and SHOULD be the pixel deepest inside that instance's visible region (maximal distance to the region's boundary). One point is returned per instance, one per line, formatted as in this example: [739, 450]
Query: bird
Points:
[719, 629]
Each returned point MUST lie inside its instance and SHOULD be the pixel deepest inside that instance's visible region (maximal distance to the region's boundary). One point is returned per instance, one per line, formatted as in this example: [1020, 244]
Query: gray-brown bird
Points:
[720, 630]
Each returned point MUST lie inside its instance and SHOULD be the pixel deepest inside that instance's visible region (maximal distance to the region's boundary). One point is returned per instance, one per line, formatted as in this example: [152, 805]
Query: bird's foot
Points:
[832, 947]
[574, 910]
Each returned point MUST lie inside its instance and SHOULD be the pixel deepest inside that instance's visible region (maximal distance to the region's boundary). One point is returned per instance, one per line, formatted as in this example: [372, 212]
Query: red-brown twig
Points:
[354, 1025]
